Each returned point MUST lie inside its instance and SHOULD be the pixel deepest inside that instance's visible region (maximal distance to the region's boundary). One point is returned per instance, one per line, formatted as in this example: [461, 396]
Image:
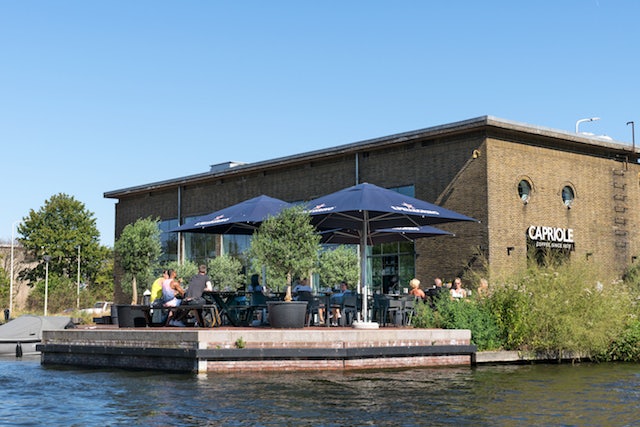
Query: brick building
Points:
[534, 189]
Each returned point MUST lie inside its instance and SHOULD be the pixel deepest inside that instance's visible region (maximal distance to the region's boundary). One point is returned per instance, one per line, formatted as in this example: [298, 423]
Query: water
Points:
[551, 395]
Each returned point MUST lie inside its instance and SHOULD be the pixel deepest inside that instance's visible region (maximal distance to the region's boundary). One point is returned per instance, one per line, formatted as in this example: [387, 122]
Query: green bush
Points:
[336, 265]
[557, 309]
[626, 347]
[466, 314]
[61, 294]
[225, 273]
[510, 306]
[184, 271]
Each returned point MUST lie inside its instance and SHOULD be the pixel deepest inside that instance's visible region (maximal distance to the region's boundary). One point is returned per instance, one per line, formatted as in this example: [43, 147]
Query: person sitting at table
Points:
[302, 286]
[415, 289]
[483, 288]
[456, 291]
[170, 290]
[156, 289]
[434, 293]
[197, 285]
[336, 301]
[255, 285]
[258, 299]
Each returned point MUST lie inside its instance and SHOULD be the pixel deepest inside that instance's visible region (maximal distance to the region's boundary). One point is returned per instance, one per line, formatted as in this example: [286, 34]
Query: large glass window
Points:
[236, 245]
[199, 247]
[392, 266]
[168, 240]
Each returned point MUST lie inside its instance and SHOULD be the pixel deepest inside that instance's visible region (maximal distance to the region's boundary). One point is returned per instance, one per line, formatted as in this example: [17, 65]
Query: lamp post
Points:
[13, 238]
[591, 119]
[78, 283]
[633, 136]
[46, 258]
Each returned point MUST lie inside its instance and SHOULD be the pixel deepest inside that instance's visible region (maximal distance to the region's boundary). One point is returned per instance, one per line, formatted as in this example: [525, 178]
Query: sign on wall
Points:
[551, 237]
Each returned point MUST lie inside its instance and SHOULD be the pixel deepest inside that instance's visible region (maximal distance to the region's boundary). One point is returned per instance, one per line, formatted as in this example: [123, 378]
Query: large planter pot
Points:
[131, 316]
[287, 314]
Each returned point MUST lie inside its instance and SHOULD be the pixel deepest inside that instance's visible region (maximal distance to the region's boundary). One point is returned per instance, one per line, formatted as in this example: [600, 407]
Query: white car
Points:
[99, 308]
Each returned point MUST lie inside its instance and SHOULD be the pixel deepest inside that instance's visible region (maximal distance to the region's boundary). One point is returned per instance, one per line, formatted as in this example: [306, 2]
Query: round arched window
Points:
[524, 191]
[567, 196]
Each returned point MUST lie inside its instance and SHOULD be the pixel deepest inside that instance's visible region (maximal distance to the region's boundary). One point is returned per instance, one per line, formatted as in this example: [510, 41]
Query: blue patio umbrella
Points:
[366, 207]
[384, 235]
[242, 218]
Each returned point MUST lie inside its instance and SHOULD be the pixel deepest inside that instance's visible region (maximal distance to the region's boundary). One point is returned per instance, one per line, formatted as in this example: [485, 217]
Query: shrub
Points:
[559, 308]
[626, 347]
[556, 309]
[466, 314]
[184, 271]
[225, 273]
[337, 265]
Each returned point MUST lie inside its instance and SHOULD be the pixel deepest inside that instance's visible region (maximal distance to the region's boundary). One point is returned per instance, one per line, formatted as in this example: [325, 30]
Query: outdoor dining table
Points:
[236, 314]
[326, 296]
[390, 305]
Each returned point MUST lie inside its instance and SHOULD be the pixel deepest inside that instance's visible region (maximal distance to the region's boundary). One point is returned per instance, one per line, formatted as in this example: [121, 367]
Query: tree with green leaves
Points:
[4, 287]
[287, 244]
[138, 249]
[225, 273]
[337, 265]
[66, 231]
[184, 270]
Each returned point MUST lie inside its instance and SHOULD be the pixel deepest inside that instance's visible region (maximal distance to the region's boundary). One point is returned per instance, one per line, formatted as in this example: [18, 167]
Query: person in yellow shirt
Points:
[156, 288]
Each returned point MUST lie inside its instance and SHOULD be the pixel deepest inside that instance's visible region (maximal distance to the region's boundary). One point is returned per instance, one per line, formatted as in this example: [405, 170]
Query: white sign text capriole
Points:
[550, 234]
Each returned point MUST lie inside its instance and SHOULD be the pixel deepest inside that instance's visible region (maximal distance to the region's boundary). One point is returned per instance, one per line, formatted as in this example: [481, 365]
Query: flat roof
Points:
[435, 131]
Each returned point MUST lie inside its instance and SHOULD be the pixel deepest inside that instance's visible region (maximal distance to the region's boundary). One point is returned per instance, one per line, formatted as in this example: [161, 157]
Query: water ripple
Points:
[585, 395]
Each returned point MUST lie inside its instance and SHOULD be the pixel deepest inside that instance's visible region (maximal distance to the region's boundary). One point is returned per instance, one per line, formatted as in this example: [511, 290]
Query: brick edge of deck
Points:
[256, 349]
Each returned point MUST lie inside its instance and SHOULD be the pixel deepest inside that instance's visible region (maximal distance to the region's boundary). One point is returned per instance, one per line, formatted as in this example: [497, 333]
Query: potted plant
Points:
[288, 245]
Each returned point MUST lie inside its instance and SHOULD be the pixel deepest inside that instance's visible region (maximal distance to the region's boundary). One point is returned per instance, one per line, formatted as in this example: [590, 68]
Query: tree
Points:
[337, 265]
[184, 271]
[225, 273]
[287, 244]
[137, 249]
[4, 287]
[63, 229]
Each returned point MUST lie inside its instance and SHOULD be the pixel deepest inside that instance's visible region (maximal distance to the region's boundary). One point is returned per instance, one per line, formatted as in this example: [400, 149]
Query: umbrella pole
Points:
[365, 324]
[363, 270]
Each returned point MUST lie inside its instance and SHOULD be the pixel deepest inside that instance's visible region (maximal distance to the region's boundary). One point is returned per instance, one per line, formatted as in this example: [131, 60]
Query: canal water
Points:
[525, 395]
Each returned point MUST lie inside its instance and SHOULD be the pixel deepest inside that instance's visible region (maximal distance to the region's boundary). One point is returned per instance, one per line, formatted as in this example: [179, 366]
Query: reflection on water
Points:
[580, 395]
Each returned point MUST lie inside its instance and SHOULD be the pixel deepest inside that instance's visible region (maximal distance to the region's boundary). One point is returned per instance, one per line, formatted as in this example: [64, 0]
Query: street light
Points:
[13, 238]
[46, 258]
[78, 290]
[633, 135]
[591, 119]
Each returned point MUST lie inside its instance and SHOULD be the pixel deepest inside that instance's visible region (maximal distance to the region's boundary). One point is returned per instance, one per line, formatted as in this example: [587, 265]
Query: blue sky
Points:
[98, 95]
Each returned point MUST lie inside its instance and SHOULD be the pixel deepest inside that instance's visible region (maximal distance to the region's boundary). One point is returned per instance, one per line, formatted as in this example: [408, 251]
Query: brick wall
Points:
[475, 172]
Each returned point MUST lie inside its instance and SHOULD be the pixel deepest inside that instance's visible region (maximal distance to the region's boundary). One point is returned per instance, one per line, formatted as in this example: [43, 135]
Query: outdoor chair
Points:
[313, 305]
[381, 309]
[395, 311]
[258, 307]
[408, 310]
[349, 309]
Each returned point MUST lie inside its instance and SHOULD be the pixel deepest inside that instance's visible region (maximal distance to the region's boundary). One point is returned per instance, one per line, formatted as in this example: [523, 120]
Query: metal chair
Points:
[381, 309]
[349, 309]
[313, 305]
[408, 310]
